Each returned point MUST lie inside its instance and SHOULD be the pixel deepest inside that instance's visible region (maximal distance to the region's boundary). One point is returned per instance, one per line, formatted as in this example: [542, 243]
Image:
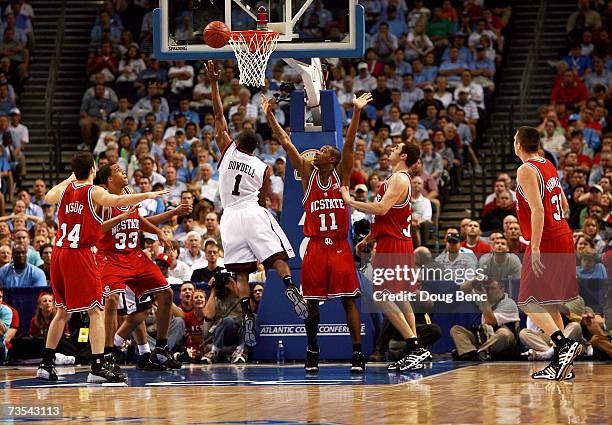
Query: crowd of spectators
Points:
[431, 69]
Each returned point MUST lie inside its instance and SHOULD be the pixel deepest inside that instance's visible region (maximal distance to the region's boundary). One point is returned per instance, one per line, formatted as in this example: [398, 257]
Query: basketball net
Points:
[253, 50]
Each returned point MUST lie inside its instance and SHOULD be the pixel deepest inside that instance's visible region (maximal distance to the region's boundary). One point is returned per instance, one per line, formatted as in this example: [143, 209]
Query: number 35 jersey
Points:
[549, 187]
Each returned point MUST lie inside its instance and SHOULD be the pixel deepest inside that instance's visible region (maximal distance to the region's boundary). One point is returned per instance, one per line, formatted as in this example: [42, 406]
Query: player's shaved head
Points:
[334, 153]
[248, 141]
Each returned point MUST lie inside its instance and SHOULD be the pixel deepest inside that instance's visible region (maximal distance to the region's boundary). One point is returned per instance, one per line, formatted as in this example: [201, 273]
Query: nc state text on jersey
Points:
[326, 204]
[242, 167]
[130, 223]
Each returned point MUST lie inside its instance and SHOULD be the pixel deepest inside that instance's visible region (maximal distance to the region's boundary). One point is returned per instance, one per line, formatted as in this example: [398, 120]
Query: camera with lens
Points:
[222, 279]
[285, 90]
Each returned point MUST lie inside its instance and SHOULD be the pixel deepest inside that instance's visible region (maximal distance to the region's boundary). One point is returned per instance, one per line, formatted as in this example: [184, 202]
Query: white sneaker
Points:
[61, 359]
[239, 356]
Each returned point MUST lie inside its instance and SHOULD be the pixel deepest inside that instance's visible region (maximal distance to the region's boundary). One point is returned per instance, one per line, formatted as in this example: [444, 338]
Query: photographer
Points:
[205, 274]
[223, 318]
[497, 332]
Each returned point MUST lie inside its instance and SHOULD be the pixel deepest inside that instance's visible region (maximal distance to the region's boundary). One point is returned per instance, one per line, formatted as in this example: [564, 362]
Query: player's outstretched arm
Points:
[220, 122]
[346, 163]
[183, 209]
[53, 195]
[101, 197]
[393, 195]
[110, 223]
[297, 162]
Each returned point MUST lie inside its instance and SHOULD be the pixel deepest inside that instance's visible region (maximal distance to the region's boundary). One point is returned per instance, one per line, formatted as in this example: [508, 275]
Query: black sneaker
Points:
[414, 360]
[248, 329]
[549, 373]
[296, 298]
[567, 354]
[112, 364]
[145, 363]
[105, 375]
[161, 356]
[312, 361]
[46, 371]
[358, 362]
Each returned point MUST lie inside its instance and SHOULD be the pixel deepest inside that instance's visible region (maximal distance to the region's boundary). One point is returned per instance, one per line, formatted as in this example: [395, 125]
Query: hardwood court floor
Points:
[445, 393]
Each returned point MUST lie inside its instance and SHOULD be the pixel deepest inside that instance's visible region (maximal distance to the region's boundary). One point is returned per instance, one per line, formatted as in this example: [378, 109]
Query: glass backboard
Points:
[307, 28]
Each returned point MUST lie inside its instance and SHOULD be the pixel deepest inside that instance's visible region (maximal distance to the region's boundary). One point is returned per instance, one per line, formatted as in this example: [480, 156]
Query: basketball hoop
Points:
[253, 49]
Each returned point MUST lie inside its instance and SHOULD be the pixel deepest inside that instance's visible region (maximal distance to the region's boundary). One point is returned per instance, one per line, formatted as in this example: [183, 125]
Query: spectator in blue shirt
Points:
[465, 54]
[453, 67]
[6, 316]
[589, 268]
[577, 62]
[397, 25]
[483, 68]
[401, 66]
[187, 113]
[19, 273]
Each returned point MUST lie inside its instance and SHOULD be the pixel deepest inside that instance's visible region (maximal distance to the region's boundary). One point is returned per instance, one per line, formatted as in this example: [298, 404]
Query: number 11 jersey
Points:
[549, 187]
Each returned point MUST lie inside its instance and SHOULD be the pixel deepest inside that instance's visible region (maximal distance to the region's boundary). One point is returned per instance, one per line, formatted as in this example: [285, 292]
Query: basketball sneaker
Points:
[239, 356]
[46, 371]
[112, 364]
[312, 361]
[296, 298]
[161, 356]
[414, 360]
[567, 354]
[210, 357]
[549, 373]
[248, 326]
[105, 374]
[358, 363]
[144, 363]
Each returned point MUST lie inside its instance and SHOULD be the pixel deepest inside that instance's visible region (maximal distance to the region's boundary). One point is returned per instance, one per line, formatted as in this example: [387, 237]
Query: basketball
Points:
[216, 34]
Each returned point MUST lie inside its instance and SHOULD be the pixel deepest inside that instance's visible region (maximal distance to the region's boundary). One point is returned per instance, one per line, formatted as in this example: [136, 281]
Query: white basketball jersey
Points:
[241, 177]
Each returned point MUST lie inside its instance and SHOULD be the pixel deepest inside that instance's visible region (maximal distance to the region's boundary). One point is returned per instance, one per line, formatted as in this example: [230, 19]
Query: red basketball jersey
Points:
[550, 190]
[397, 221]
[193, 329]
[123, 237]
[327, 216]
[79, 225]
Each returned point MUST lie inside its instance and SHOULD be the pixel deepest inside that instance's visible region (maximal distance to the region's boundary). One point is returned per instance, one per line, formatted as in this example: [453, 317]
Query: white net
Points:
[253, 49]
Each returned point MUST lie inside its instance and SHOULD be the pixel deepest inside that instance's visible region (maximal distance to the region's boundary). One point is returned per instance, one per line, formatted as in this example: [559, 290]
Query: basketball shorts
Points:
[328, 270]
[129, 303]
[393, 266]
[135, 270]
[251, 235]
[75, 279]
[557, 284]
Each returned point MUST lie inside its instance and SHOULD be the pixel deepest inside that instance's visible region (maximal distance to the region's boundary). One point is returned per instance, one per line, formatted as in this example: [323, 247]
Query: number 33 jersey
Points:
[123, 237]
[549, 187]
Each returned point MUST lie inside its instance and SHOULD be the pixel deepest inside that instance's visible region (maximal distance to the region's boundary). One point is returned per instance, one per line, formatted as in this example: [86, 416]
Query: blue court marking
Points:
[251, 375]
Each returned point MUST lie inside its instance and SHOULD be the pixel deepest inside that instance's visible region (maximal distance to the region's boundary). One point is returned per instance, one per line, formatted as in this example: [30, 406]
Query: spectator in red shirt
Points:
[570, 90]
[106, 63]
[503, 206]
[513, 236]
[473, 241]
[194, 322]
[45, 310]
[186, 297]
[576, 145]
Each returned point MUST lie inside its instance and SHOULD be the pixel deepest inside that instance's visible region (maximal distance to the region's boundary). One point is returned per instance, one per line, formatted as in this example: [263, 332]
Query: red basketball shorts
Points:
[75, 279]
[557, 284]
[328, 270]
[135, 270]
[393, 266]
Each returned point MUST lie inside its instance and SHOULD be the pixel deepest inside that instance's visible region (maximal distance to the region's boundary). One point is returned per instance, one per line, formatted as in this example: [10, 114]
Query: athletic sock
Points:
[312, 328]
[118, 341]
[144, 349]
[558, 338]
[288, 280]
[245, 303]
[357, 347]
[49, 355]
[412, 343]
[96, 362]
[161, 342]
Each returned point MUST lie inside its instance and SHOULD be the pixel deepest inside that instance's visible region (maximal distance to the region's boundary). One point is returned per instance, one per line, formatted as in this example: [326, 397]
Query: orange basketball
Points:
[216, 34]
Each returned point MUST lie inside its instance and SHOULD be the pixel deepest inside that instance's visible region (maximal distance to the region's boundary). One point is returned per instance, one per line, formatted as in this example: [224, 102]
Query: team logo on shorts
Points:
[309, 156]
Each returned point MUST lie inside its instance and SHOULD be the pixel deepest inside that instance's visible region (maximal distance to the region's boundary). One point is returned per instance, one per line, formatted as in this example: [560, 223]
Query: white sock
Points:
[144, 349]
[119, 341]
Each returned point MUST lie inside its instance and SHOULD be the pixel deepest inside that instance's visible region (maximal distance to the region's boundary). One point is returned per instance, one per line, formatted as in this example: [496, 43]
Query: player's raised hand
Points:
[157, 194]
[130, 211]
[344, 191]
[212, 71]
[184, 209]
[361, 101]
[267, 104]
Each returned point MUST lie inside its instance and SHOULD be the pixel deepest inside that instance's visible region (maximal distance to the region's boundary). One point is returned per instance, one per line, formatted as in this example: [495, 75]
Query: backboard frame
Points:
[355, 48]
